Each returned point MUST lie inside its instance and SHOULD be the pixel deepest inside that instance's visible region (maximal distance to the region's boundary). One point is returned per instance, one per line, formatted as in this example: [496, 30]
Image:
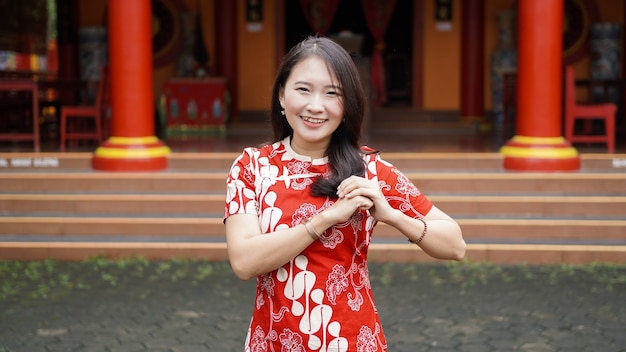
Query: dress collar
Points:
[289, 151]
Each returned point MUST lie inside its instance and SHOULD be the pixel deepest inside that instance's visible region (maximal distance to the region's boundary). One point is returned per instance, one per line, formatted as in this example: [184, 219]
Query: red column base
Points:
[131, 154]
[540, 154]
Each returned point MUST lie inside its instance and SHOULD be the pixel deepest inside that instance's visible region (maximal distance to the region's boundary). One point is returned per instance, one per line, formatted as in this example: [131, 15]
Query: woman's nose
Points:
[315, 103]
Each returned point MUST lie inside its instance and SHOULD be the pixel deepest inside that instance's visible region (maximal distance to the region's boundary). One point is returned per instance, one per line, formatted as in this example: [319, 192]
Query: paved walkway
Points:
[199, 306]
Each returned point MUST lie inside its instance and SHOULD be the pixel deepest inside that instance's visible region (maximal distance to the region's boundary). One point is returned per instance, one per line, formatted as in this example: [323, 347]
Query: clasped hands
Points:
[357, 193]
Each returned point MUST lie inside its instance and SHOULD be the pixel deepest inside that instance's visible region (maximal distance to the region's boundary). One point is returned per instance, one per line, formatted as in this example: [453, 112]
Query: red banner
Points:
[319, 14]
[377, 15]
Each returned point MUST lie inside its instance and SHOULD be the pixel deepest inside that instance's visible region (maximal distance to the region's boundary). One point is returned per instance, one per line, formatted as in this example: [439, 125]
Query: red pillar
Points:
[132, 145]
[472, 60]
[226, 49]
[538, 144]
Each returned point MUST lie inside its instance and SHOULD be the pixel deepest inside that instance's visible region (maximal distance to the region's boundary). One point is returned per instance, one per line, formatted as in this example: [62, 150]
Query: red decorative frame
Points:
[577, 19]
[167, 33]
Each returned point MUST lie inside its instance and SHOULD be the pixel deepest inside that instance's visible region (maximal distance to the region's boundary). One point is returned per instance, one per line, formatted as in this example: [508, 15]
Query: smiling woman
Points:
[312, 105]
[300, 211]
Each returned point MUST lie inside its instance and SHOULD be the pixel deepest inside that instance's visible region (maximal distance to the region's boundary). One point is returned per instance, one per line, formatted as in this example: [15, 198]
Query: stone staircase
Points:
[52, 205]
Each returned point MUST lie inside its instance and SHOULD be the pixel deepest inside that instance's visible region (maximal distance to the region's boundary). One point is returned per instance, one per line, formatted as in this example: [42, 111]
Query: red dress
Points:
[322, 299]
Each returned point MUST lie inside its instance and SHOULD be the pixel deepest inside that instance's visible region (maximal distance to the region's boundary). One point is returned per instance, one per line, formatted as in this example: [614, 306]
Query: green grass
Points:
[48, 279]
[465, 275]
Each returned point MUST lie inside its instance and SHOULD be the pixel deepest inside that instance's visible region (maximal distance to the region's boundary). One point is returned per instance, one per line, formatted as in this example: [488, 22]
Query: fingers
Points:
[355, 203]
[355, 186]
[363, 203]
[344, 208]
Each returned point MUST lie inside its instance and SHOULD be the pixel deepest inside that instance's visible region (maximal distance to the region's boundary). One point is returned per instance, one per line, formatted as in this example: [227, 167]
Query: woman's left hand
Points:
[358, 186]
[444, 239]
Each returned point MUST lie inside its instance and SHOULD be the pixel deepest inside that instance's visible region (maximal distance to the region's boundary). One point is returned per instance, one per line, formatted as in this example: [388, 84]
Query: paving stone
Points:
[536, 347]
[191, 348]
[128, 347]
[422, 308]
[474, 347]
[69, 345]
[504, 345]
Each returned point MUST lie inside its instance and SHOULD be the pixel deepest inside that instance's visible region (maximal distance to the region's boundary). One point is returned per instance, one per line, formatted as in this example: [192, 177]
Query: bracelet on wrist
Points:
[423, 232]
[310, 229]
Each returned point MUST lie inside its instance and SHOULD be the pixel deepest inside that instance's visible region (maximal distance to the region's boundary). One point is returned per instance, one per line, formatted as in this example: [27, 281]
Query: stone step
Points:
[107, 204]
[222, 161]
[212, 228]
[533, 254]
[210, 204]
[533, 206]
[520, 183]
[529, 230]
[207, 182]
[52, 205]
[122, 182]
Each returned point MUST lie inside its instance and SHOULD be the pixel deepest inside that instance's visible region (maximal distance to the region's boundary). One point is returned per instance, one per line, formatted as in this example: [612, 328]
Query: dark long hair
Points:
[344, 152]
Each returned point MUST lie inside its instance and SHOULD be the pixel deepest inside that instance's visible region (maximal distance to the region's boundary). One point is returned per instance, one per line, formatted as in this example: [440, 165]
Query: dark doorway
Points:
[350, 17]
[399, 54]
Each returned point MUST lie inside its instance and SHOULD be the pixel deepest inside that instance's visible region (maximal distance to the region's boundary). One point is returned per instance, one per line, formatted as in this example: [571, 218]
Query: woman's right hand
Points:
[344, 208]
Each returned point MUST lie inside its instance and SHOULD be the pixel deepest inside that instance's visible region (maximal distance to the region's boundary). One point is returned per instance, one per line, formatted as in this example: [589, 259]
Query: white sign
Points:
[29, 163]
[619, 163]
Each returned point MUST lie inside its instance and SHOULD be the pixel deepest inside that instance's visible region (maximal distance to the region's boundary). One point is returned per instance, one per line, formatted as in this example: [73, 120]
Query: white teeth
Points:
[313, 120]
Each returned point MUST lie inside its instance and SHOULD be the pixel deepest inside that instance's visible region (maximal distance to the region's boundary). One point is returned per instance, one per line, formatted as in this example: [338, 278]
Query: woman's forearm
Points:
[443, 238]
[258, 254]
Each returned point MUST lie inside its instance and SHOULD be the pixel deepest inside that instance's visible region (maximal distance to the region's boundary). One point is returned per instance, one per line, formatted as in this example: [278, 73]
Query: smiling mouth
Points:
[313, 120]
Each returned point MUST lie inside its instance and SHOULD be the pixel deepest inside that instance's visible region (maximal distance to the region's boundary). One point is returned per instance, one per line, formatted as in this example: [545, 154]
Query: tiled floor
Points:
[395, 139]
[389, 143]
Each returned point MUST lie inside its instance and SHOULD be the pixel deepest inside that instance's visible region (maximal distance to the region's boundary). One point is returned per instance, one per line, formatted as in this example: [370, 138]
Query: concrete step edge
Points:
[482, 221]
[494, 253]
[220, 196]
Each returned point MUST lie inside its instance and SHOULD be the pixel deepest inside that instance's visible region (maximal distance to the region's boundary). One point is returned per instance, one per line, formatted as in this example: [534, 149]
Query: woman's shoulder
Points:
[253, 153]
[371, 155]
[368, 150]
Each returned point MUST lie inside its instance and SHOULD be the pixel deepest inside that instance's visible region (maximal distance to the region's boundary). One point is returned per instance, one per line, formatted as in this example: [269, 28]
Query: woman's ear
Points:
[281, 97]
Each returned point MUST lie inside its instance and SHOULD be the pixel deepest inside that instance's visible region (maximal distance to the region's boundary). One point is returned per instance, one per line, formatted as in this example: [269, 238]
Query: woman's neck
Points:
[312, 150]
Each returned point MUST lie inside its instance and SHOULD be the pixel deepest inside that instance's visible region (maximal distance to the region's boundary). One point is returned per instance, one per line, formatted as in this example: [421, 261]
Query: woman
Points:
[300, 212]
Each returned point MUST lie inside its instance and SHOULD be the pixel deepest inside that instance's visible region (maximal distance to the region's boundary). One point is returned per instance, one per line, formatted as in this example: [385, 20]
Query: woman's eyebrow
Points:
[331, 86]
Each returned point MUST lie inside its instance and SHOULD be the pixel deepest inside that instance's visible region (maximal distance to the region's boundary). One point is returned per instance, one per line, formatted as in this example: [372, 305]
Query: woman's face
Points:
[313, 105]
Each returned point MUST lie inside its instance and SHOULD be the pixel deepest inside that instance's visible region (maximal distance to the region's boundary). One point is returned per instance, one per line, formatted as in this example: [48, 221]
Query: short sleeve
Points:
[240, 186]
[399, 191]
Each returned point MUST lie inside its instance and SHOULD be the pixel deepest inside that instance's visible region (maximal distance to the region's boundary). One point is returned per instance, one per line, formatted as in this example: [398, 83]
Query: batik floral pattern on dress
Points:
[321, 299]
